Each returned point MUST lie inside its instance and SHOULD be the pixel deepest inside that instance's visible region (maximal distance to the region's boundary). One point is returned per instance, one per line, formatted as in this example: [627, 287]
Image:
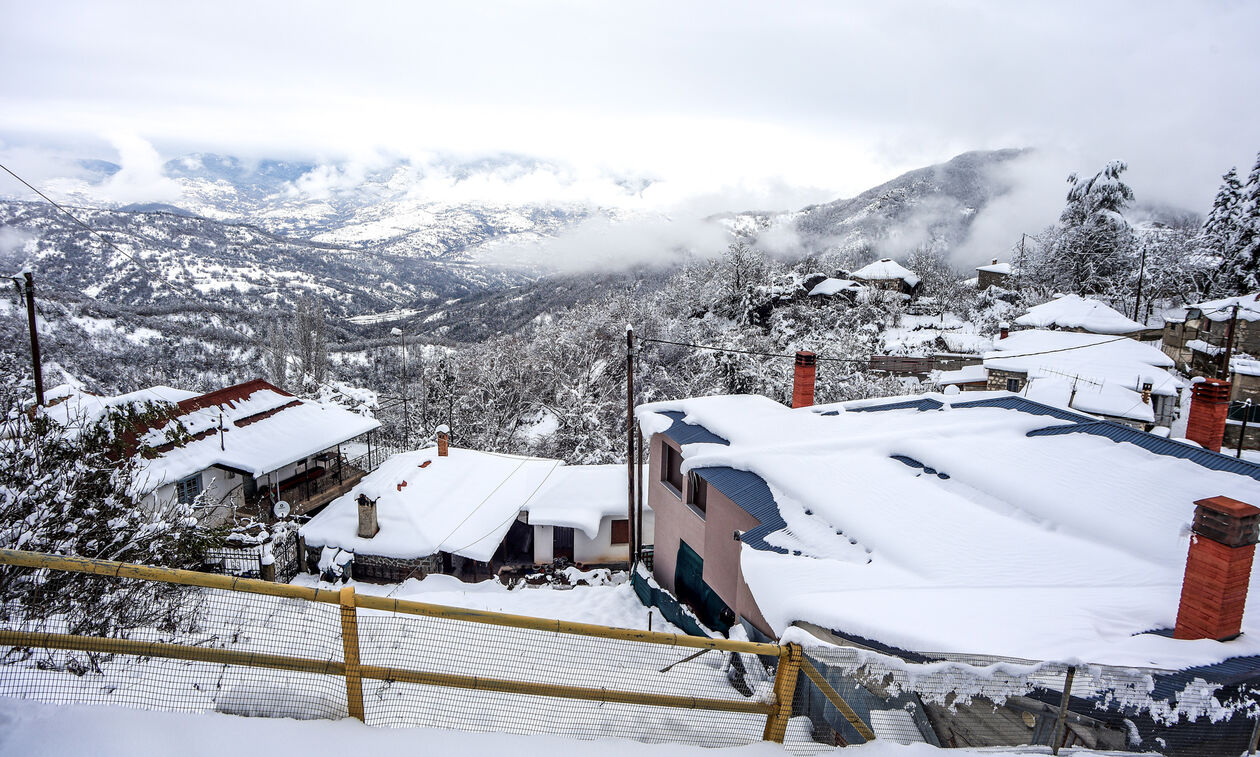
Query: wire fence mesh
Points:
[150, 644]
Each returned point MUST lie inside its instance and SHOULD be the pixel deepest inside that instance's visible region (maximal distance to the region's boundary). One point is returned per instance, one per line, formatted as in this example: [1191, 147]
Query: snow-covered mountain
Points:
[437, 210]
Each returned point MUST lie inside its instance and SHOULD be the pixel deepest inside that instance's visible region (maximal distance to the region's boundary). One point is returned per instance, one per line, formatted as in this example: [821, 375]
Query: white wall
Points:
[590, 551]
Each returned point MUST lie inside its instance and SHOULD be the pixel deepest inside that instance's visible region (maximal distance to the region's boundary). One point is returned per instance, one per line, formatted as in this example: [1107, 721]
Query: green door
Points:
[692, 590]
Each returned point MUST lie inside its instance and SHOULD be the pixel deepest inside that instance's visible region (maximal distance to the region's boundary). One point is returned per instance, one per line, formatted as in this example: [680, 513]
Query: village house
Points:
[980, 524]
[241, 449]
[1195, 336]
[993, 275]
[1113, 377]
[467, 513]
[888, 275]
[1071, 312]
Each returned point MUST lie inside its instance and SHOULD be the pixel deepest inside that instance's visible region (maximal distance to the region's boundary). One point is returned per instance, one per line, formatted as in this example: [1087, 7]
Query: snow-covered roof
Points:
[1105, 372]
[69, 404]
[953, 524]
[1223, 310]
[832, 286]
[1004, 268]
[580, 496]
[1245, 366]
[886, 269]
[462, 504]
[1072, 311]
[1198, 345]
[968, 374]
[264, 429]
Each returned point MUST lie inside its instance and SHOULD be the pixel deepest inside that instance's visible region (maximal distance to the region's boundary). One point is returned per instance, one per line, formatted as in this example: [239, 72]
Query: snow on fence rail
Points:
[167, 639]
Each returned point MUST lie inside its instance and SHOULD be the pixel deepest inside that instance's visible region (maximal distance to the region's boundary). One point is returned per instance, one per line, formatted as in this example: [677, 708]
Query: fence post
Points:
[1061, 721]
[350, 652]
[784, 692]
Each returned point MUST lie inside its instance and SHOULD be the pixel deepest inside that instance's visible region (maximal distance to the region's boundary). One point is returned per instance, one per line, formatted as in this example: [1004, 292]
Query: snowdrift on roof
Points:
[886, 270]
[953, 530]
[1075, 312]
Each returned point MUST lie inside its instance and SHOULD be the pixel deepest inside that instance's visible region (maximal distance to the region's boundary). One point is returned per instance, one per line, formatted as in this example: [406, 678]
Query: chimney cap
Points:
[443, 429]
[1228, 506]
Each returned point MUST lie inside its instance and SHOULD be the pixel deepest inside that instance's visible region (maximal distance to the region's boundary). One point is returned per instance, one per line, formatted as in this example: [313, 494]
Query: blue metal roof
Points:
[750, 492]
[689, 433]
[1118, 432]
[919, 404]
[1025, 405]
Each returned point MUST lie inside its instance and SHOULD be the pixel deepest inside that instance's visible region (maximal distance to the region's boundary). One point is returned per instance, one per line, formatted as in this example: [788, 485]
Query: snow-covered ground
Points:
[33, 729]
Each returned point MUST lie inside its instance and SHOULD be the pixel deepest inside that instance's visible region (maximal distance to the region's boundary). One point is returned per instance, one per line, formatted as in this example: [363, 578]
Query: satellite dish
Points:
[281, 510]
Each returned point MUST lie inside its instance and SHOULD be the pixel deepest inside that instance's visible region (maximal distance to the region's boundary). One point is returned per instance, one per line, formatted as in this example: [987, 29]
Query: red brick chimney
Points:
[1208, 410]
[803, 379]
[444, 439]
[1004, 330]
[1218, 569]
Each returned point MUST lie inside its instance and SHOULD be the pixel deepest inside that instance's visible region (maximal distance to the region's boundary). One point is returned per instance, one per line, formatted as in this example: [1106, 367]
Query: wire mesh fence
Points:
[134, 638]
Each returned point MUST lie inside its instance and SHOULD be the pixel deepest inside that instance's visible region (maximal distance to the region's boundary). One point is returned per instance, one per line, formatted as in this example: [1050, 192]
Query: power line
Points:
[1000, 355]
[748, 352]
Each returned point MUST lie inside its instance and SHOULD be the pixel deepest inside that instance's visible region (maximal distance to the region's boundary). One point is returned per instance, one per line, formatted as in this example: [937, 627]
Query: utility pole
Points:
[1137, 299]
[1229, 344]
[406, 407]
[630, 545]
[36, 363]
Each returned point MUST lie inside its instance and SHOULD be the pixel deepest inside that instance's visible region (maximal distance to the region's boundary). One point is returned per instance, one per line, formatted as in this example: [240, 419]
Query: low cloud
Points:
[141, 178]
[602, 243]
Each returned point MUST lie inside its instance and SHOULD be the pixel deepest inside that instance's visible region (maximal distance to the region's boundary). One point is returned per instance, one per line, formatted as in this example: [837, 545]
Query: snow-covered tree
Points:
[1095, 244]
[71, 490]
[311, 339]
[1221, 238]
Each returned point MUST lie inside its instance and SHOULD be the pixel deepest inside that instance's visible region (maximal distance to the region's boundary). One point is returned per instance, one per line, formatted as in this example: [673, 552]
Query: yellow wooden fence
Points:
[777, 711]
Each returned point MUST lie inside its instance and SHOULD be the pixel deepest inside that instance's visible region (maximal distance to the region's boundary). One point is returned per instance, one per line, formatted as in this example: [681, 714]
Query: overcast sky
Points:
[771, 103]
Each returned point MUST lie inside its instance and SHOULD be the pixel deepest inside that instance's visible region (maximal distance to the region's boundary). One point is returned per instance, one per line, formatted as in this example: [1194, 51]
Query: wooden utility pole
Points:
[1229, 344]
[36, 363]
[638, 496]
[1137, 299]
[406, 406]
[630, 546]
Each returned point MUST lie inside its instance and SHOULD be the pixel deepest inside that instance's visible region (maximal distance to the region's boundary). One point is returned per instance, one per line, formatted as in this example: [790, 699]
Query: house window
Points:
[671, 468]
[697, 494]
[1012, 385]
[186, 490]
[621, 531]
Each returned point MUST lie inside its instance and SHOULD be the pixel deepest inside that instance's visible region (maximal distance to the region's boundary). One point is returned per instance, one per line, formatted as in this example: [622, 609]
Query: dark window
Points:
[671, 468]
[187, 489]
[697, 493]
[621, 531]
[1012, 385]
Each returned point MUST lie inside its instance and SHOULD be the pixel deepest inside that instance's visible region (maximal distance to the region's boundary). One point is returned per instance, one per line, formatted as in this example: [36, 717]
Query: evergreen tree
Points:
[1094, 248]
[1220, 238]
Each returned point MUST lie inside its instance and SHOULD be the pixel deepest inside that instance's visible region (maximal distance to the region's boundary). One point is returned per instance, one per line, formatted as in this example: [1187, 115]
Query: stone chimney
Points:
[803, 379]
[1004, 330]
[1208, 411]
[1146, 393]
[367, 518]
[443, 440]
[994, 261]
[1218, 569]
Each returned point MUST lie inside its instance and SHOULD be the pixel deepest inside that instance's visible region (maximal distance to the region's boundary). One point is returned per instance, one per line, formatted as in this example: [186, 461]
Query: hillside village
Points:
[630, 380]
